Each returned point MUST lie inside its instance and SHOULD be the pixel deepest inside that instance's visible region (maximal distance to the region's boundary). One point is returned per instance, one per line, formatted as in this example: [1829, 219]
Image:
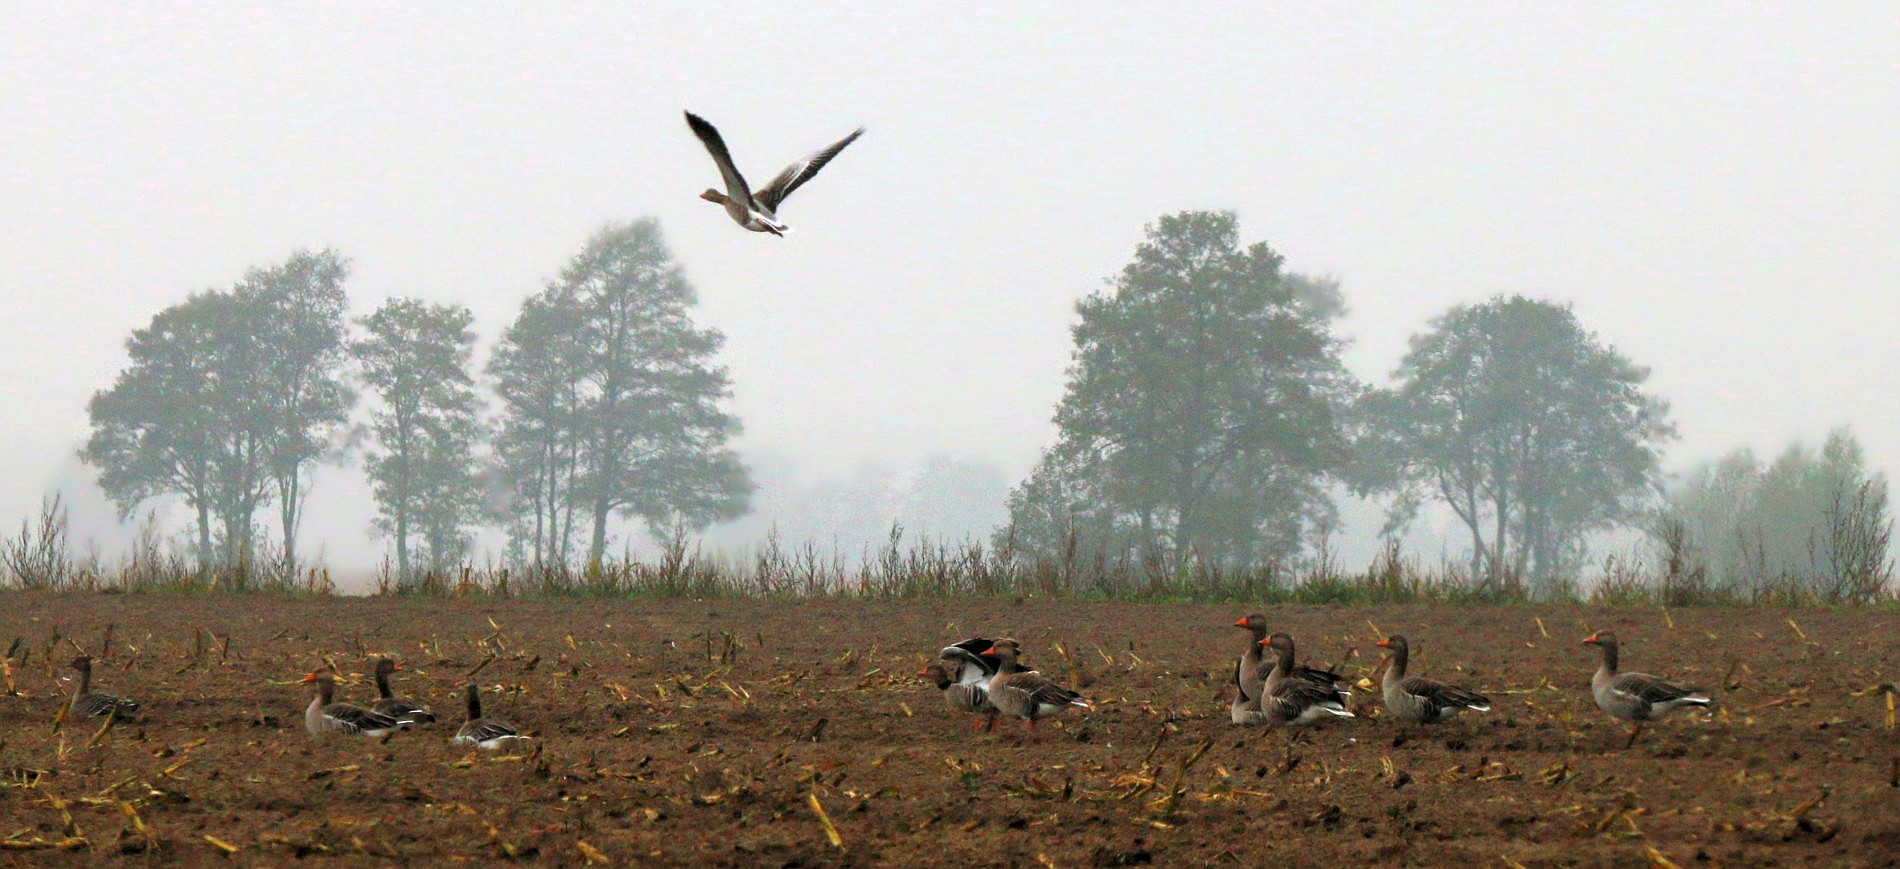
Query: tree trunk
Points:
[598, 547]
[204, 535]
[290, 492]
[402, 549]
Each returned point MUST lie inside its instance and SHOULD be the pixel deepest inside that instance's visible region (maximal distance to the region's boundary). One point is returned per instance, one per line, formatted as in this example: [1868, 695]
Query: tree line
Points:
[1207, 418]
[610, 405]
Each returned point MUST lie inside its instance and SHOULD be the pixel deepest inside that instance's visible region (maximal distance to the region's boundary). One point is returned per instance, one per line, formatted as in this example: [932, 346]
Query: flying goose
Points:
[484, 733]
[758, 211]
[1420, 700]
[404, 711]
[1025, 694]
[87, 703]
[325, 715]
[1637, 697]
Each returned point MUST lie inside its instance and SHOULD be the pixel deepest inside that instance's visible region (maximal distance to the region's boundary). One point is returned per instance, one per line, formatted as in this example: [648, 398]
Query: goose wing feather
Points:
[802, 171]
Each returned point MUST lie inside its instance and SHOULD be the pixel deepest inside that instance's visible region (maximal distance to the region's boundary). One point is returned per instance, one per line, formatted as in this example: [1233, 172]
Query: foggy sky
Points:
[1713, 187]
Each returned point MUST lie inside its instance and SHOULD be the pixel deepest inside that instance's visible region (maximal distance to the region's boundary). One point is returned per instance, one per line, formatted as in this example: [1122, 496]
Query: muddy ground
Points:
[677, 732]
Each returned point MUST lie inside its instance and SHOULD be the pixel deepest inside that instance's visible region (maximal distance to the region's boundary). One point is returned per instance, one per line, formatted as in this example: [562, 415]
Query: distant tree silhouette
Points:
[415, 359]
[229, 398]
[1802, 522]
[1532, 430]
[1200, 414]
[612, 400]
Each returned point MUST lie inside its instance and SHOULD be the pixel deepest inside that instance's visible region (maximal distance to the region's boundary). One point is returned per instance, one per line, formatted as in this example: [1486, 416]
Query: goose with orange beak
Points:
[1634, 697]
[1025, 694]
[1418, 699]
[326, 715]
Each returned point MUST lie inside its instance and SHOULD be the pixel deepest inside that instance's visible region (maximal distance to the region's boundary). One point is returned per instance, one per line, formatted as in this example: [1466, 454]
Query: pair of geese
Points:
[985, 678]
[1292, 694]
[390, 713]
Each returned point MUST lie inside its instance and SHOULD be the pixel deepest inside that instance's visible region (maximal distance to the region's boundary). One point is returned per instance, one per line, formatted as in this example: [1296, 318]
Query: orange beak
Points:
[1266, 641]
[1242, 623]
[310, 678]
[991, 651]
[395, 666]
[1591, 640]
[924, 672]
[1384, 644]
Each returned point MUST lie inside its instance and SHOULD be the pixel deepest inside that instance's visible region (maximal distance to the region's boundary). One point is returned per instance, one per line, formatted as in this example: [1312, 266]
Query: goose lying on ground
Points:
[87, 703]
[484, 733]
[404, 711]
[325, 715]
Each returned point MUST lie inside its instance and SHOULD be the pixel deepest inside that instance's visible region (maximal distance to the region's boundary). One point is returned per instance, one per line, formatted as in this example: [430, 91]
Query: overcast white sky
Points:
[1713, 186]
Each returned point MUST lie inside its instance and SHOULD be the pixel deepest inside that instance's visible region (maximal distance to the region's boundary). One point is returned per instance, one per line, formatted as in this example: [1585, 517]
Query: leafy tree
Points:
[1200, 414]
[415, 357]
[303, 397]
[538, 373]
[613, 400]
[1518, 419]
[174, 422]
[230, 396]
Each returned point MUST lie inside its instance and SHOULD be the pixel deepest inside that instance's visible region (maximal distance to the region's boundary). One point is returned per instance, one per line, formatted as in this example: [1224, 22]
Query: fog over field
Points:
[1714, 190]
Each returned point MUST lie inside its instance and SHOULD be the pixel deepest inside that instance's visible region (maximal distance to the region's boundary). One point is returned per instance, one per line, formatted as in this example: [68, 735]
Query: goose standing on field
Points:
[404, 711]
[1636, 697]
[87, 703]
[1420, 700]
[484, 733]
[325, 715]
[1285, 670]
[759, 211]
[1025, 694]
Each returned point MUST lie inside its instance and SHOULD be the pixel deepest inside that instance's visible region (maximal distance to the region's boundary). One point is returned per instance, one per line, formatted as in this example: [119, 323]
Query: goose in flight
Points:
[758, 211]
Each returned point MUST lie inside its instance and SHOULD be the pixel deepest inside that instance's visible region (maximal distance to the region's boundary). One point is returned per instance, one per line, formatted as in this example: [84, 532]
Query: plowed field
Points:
[716, 732]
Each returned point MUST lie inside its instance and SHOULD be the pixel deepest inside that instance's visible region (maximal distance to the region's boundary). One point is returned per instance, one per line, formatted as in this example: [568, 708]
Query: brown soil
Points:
[700, 732]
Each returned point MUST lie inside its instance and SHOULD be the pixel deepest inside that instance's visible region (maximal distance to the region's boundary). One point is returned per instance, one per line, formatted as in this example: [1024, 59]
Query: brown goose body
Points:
[1420, 700]
[87, 703]
[326, 715]
[387, 703]
[487, 734]
[1250, 671]
[1291, 702]
[1635, 697]
[1284, 669]
[1025, 694]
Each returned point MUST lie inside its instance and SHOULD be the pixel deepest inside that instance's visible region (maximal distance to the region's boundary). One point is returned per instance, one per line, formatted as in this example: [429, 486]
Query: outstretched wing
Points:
[709, 136]
[802, 171]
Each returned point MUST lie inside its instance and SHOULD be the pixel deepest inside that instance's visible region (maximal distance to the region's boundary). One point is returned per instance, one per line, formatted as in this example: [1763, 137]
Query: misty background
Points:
[1709, 188]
